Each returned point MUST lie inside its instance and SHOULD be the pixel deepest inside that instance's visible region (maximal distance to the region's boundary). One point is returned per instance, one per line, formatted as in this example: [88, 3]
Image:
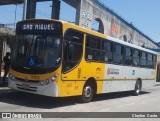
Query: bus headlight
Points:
[46, 82]
[49, 81]
[54, 77]
[11, 77]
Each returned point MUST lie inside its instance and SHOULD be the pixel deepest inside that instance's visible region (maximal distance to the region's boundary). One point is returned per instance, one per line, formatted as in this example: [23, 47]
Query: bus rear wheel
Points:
[87, 93]
[138, 88]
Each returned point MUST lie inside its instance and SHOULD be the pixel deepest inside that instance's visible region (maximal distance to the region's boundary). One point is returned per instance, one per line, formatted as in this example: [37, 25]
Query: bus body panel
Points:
[128, 72]
[123, 78]
[79, 75]
[83, 71]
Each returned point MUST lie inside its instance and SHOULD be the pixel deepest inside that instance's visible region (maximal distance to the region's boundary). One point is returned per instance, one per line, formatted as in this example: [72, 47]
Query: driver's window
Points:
[73, 48]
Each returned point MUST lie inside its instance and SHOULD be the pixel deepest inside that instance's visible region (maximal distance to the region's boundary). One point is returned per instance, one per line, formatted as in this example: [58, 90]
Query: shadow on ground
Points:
[38, 101]
[115, 95]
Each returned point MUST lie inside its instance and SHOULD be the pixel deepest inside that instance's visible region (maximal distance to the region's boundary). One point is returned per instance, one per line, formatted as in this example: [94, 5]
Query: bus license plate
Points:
[26, 86]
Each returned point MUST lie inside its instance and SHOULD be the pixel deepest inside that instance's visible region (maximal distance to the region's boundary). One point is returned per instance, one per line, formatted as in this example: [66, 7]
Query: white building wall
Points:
[113, 25]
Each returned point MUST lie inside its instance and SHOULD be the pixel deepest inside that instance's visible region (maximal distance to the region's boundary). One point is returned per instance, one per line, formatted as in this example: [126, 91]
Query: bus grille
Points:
[32, 81]
[29, 88]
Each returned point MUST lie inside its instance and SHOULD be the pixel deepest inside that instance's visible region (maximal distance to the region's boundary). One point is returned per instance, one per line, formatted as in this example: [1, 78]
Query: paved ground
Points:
[148, 101]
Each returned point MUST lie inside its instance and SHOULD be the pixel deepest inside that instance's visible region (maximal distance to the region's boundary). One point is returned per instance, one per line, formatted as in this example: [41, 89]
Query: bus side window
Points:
[149, 60]
[136, 57]
[72, 50]
[143, 59]
[107, 51]
[128, 56]
[118, 54]
[154, 61]
[92, 48]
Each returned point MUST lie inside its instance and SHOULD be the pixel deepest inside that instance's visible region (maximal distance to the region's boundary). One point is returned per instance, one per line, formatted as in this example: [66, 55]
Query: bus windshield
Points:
[37, 51]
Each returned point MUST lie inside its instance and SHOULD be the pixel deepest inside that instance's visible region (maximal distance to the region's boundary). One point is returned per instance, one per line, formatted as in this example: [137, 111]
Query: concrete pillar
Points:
[78, 12]
[56, 9]
[86, 14]
[31, 9]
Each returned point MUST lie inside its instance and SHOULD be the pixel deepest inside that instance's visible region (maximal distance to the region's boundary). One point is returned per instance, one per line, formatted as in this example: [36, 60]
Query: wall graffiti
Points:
[87, 19]
[114, 25]
[114, 30]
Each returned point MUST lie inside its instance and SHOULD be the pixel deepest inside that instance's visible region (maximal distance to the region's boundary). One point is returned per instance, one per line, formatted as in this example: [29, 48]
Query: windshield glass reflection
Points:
[37, 51]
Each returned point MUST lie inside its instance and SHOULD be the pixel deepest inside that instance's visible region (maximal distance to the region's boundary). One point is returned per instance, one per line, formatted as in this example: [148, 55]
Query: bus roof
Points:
[130, 45]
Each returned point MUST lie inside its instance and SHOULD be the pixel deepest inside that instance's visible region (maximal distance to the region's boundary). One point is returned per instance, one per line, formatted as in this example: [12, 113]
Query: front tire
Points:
[87, 93]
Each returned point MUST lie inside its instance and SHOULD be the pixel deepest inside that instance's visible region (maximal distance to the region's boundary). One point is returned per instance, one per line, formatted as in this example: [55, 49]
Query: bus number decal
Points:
[79, 73]
[35, 77]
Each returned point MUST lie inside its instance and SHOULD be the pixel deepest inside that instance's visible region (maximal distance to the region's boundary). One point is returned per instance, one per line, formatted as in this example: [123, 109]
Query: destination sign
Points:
[39, 27]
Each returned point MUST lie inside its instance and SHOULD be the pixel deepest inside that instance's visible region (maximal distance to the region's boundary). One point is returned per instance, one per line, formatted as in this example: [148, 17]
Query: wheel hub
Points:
[87, 92]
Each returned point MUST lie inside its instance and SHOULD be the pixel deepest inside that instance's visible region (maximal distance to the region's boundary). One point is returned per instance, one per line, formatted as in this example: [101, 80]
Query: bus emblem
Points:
[113, 71]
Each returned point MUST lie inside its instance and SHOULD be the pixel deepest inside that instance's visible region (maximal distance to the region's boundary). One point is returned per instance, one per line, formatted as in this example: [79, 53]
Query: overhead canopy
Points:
[8, 2]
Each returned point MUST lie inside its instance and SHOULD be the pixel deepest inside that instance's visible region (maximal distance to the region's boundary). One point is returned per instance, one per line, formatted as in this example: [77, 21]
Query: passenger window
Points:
[73, 48]
[143, 60]
[107, 45]
[107, 54]
[93, 48]
[154, 61]
[136, 58]
[149, 60]
[128, 56]
[118, 53]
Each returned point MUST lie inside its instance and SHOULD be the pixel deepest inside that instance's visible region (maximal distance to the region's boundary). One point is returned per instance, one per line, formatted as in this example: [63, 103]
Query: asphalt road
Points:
[148, 101]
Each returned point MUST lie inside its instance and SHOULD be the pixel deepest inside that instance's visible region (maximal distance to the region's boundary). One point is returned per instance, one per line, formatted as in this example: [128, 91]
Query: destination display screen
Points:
[39, 27]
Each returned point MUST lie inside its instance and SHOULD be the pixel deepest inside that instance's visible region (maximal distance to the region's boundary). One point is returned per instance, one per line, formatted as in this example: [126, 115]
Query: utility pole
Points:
[25, 10]
[1, 48]
[29, 9]
[56, 9]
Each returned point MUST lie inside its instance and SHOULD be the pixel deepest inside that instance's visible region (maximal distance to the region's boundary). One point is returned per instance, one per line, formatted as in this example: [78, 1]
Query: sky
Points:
[144, 14]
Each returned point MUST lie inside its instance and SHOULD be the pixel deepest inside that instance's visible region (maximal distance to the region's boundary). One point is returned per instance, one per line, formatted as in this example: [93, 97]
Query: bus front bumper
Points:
[50, 89]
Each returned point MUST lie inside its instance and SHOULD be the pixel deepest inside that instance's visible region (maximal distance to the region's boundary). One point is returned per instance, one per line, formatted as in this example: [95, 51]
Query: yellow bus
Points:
[60, 59]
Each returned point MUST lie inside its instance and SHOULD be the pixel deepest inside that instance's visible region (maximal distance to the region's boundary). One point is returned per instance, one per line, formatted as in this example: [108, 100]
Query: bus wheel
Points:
[138, 87]
[87, 93]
